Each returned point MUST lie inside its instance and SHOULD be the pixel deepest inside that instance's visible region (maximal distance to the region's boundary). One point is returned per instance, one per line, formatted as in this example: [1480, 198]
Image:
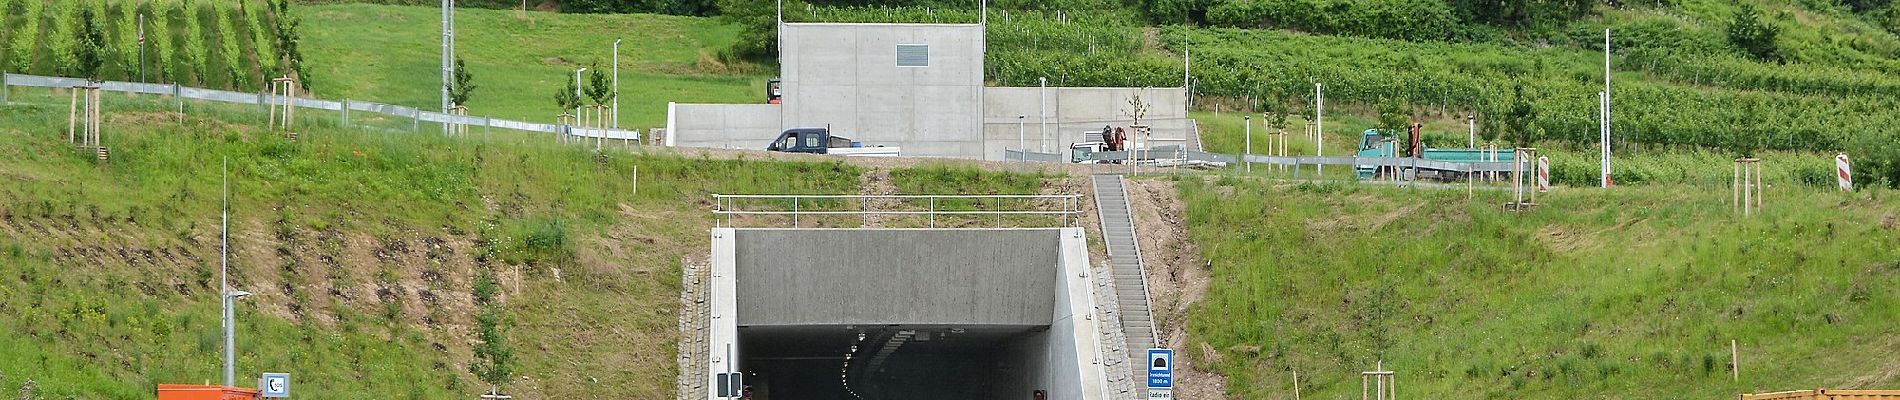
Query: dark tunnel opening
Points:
[892, 362]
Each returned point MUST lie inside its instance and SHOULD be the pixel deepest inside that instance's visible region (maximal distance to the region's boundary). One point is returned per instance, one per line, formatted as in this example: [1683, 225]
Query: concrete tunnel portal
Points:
[915, 314]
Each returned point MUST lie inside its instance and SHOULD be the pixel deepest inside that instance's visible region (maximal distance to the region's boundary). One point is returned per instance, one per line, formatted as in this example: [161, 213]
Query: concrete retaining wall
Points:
[1038, 277]
[846, 76]
[1057, 117]
[896, 276]
[722, 126]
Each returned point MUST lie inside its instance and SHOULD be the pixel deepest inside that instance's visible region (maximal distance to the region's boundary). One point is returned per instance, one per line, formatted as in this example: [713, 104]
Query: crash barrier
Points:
[344, 107]
[1065, 210]
[1175, 152]
[1019, 155]
[1826, 394]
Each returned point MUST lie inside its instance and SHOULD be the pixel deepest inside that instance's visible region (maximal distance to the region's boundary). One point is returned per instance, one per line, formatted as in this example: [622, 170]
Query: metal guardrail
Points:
[1826, 394]
[345, 106]
[1033, 156]
[727, 206]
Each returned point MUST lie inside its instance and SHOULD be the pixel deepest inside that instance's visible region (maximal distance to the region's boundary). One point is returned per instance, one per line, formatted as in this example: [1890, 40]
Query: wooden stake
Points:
[271, 111]
[1734, 361]
[1296, 385]
[72, 119]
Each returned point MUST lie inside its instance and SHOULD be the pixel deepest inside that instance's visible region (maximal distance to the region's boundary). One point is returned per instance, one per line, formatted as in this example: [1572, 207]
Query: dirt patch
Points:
[142, 118]
[1886, 372]
[1177, 278]
[877, 182]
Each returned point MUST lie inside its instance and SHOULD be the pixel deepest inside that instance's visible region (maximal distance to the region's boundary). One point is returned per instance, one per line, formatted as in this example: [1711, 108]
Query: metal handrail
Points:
[727, 206]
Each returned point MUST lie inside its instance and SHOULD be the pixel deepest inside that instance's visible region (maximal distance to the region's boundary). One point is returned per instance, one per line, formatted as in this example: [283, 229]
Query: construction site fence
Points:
[346, 106]
[1826, 394]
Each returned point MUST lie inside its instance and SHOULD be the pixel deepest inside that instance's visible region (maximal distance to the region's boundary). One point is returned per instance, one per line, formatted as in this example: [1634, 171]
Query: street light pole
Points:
[616, 112]
[227, 297]
[142, 48]
[1042, 108]
[577, 97]
[1020, 140]
[1319, 124]
[1471, 136]
[447, 68]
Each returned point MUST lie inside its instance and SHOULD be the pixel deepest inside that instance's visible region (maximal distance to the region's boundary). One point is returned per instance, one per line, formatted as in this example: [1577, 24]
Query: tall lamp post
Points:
[228, 297]
[577, 96]
[448, 55]
[141, 48]
[1471, 135]
[616, 111]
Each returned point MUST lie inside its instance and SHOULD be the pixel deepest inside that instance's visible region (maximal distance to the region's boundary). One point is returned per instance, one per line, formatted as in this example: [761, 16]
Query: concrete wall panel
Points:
[725, 126]
[896, 276]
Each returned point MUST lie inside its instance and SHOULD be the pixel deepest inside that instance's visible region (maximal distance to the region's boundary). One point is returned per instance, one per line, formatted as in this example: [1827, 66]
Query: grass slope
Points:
[361, 246]
[392, 54]
[1631, 293]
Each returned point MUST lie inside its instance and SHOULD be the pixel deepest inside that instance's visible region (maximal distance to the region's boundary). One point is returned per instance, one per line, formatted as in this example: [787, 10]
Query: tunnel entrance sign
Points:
[1160, 368]
[1160, 374]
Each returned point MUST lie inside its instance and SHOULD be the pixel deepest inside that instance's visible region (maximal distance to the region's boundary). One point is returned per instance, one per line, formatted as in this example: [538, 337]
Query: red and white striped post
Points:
[1843, 170]
[1543, 174]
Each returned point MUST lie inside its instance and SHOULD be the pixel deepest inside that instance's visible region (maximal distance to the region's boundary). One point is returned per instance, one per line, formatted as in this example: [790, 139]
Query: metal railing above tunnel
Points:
[898, 211]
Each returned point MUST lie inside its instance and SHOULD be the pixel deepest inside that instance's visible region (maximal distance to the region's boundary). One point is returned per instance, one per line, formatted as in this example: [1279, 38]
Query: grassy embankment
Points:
[1631, 293]
[362, 248]
[391, 54]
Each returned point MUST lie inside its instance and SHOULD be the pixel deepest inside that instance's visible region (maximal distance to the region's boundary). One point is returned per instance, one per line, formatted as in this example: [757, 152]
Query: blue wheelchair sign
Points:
[1160, 368]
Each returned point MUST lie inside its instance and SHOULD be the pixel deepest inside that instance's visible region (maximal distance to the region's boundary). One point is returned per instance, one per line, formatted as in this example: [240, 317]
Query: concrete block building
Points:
[919, 87]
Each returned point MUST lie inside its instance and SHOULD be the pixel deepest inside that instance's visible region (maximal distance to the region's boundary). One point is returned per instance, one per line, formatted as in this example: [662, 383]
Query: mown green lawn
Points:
[392, 54]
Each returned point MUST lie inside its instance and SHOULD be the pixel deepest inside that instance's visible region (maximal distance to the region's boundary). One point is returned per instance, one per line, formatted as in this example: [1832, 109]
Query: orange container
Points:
[205, 392]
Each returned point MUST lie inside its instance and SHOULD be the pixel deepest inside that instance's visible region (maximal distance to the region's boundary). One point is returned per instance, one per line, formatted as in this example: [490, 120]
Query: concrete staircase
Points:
[1194, 136]
[1124, 256]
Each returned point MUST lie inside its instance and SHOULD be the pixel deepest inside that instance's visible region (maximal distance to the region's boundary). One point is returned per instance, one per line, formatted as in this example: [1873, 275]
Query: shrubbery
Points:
[1405, 19]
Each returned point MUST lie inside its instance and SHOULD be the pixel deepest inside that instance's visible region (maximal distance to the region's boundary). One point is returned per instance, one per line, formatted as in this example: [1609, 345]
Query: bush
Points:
[1754, 36]
[1177, 11]
[88, 46]
[1405, 19]
[758, 40]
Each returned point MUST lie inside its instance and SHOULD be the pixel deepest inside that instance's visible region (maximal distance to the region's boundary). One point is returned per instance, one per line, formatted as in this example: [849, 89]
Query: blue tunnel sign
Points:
[1160, 368]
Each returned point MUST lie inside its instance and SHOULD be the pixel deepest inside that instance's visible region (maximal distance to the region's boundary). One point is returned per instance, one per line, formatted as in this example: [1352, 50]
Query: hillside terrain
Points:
[1821, 82]
[381, 259]
[1630, 293]
[369, 252]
